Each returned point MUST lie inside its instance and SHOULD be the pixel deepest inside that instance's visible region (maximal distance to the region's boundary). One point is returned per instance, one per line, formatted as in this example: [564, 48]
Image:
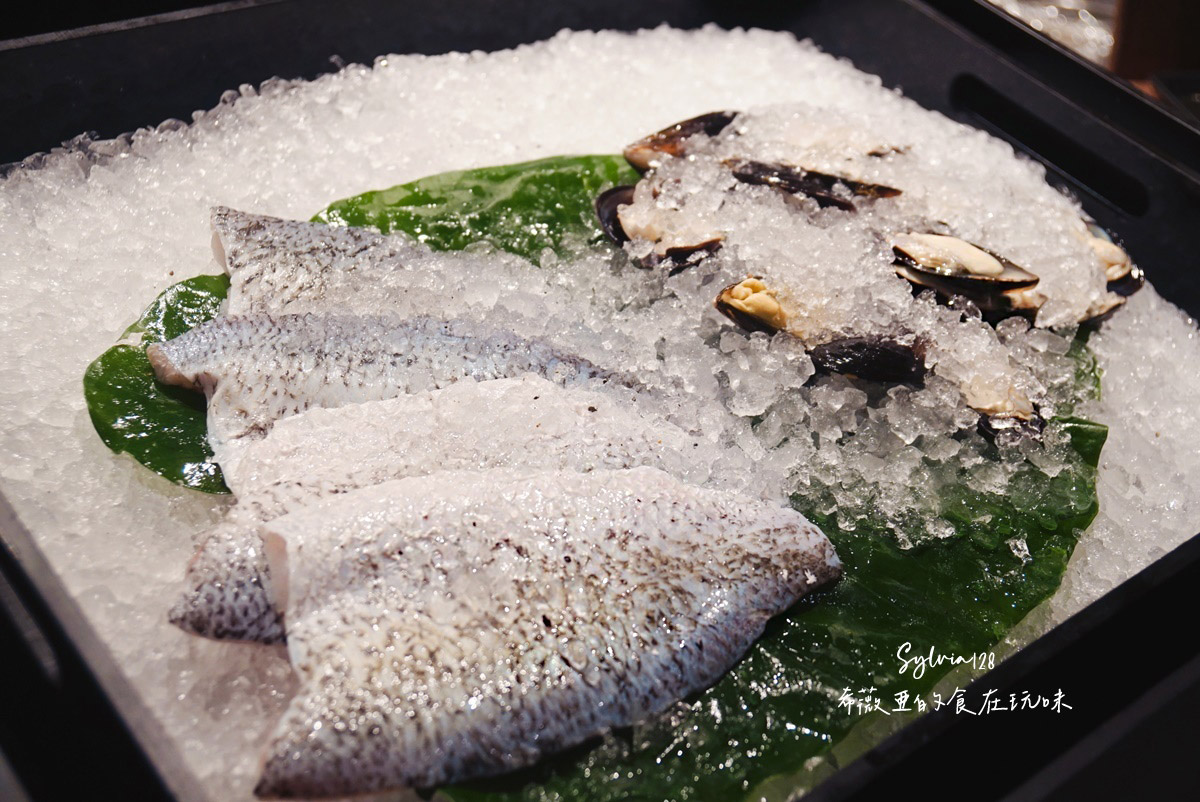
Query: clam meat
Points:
[867, 238]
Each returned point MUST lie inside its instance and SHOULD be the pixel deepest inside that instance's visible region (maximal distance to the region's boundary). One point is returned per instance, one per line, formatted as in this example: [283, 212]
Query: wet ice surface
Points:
[1149, 484]
[90, 238]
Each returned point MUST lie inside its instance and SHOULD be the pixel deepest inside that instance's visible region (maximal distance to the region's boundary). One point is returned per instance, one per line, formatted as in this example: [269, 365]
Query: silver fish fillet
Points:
[256, 370]
[463, 625]
[291, 267]
[526, 423]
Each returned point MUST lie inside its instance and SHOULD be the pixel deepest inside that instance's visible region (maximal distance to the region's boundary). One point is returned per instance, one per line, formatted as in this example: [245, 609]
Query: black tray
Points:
[72, 725]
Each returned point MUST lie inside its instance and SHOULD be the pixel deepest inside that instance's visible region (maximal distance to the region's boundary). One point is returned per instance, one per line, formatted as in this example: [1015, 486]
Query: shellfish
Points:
[646, 153]
[952, 266]
[892, 358]
[827, 190]
[754, 307]
[680, 241]
[700, 194]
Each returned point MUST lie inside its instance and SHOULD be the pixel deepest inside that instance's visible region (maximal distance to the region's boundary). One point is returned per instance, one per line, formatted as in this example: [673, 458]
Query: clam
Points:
[671, 141]
[679, 242]
[825, 189]
[680, 257]
[953, 266]
[753, 306]
[675, 249]
[1123, 276]
[900, 359]
[881, 359]
[608, 205]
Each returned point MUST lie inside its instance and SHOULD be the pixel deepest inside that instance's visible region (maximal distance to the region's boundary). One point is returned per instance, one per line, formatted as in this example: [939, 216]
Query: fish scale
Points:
[258, 369]
[526, 422]
[668, 585]
[270, 261]
[278, 266]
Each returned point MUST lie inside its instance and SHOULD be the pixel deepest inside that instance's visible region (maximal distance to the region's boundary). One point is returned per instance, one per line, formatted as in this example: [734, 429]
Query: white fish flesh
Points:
[526, 420]
[267, 258]
[256, 370]
[463, 625]
[292, 267]
[526, 423]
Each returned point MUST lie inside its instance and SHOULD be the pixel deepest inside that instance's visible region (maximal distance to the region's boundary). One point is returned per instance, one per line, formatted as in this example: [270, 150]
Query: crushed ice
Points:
[89, 234]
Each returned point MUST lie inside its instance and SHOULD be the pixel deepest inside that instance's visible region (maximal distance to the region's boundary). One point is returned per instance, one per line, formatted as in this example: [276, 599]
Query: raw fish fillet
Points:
[527, 423]
[289, 267]
[256, 370]
[463, 625]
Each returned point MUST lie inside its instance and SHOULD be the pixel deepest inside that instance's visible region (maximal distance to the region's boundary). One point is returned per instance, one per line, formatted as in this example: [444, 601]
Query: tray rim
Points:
[145, 728]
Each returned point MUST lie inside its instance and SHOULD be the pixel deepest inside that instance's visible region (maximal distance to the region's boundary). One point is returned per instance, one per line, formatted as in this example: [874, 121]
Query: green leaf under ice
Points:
[520, 208]
[749, 735]
[161, 426]
[756, 732]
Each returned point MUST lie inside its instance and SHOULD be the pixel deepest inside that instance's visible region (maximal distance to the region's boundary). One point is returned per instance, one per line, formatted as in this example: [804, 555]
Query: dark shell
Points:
[669, 141]
[988, 297]
[997, 297]
[681, 257]
[820, 187]
[873, 358]
[606, 210]
[1128, 284]
[887, 150]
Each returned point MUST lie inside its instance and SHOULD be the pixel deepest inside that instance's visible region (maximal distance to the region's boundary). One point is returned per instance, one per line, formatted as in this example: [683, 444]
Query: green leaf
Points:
[160, 426]
[520, 208]
[180, 308]
[752, 732]
[1087, 437]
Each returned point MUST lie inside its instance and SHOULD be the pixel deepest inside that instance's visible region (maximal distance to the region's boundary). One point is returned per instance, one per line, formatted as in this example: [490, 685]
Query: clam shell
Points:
[643, 153]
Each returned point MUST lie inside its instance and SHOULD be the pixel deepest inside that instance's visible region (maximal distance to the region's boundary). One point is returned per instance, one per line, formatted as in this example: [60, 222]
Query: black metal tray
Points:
[71, 724]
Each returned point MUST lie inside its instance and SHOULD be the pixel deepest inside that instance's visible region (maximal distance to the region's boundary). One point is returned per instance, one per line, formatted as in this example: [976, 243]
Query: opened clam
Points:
[952, 266]
[680, 240]
[702, 192]
[646, 153]
[677, 244]
[1123, 276]
[827, 190]
[753, 306]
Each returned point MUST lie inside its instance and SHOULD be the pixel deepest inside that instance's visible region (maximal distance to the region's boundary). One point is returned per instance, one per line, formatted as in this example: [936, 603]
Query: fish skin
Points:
[531, 424]
[229, 592]
[265, 256]
[464, 625]
[258, 369]
[281, 266]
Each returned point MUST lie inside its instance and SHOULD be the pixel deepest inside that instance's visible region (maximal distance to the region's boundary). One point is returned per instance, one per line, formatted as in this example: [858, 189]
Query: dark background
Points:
[50, 17]
[1145, 744]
